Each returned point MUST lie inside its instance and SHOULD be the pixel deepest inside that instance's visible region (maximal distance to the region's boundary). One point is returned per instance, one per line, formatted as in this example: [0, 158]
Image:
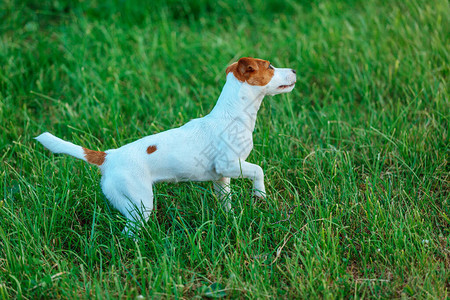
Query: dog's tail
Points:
[57, 145]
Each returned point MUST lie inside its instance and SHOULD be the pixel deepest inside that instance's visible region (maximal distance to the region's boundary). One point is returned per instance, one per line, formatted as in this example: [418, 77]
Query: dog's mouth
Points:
[282, 87]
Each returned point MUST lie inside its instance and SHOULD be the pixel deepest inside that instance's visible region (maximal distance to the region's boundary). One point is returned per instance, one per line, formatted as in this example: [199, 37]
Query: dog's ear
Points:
[247, 65]
[251, 70]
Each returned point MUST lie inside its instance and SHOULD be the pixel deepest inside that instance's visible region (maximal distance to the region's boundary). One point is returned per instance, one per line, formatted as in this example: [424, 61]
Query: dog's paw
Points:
[227, 206]
[259, 195]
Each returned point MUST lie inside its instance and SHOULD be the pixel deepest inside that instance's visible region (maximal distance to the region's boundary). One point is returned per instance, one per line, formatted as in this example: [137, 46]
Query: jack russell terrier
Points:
[212, 148]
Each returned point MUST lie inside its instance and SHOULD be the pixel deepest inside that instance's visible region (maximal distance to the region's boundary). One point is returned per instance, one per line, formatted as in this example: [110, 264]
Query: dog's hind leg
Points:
[133, 198]
[139, 209]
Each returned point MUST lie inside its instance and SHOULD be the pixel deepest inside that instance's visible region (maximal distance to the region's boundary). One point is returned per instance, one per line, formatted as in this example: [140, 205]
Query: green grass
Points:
[355, 158]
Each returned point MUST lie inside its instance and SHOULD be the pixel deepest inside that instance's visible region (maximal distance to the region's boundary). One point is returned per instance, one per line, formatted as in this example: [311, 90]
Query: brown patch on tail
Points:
[94, 157]
[151, 149]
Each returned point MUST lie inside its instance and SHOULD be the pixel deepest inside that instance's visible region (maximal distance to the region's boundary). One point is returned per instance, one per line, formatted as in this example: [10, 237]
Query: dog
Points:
[212, 148]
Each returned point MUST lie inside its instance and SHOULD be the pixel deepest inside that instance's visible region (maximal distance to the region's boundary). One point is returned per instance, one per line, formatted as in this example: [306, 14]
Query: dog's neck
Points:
[238, 101]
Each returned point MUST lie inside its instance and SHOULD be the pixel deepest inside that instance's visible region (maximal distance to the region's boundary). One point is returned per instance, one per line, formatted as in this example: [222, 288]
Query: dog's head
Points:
[260, 73]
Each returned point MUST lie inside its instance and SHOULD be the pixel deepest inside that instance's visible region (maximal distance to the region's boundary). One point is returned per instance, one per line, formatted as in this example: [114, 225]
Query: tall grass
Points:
[355, 159]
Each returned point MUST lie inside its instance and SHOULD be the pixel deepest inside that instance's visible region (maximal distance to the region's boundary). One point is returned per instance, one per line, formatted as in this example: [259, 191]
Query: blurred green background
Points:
[355, 158]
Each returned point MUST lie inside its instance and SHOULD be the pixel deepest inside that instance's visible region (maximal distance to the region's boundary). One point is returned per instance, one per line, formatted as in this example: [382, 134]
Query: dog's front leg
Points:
[222, 190]
[247, 170]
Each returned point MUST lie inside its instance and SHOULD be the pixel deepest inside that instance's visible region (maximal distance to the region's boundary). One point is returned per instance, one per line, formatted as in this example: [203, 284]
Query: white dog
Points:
[214, 147]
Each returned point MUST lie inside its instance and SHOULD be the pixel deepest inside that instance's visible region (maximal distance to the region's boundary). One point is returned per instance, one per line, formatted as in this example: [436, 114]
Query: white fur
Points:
[57, 145]
[214, 148]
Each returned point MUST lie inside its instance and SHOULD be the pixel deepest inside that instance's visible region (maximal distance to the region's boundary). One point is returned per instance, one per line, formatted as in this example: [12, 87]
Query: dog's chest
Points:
[236, 139]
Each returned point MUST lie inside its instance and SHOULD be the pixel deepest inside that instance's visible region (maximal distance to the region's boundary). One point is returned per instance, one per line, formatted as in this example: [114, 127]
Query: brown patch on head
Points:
[254, 71]
[94, 157]
[151, 149]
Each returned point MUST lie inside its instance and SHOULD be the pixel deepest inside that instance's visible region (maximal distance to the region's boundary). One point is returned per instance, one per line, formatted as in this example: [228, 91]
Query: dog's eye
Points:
[270, 66]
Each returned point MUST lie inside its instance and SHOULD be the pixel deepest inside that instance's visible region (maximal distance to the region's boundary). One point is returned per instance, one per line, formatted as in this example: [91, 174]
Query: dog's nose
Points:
[293, 71]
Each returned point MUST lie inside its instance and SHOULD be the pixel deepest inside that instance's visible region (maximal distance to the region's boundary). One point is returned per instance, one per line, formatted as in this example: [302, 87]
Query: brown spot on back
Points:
[151, 149]
[94, 157]
[254, 71]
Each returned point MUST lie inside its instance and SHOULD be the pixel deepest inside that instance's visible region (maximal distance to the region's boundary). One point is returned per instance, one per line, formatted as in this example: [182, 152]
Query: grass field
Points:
[356, 158]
